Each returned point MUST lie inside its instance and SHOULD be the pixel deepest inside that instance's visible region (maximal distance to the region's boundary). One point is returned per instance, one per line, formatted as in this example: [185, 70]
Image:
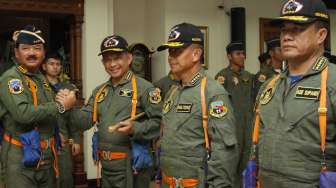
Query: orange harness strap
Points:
[204, 114]
[173, 182]
[95, 103]
[322, 110]
[134, 96]
[113, 155]
[32, 87]
[255, 137]
[189, 182]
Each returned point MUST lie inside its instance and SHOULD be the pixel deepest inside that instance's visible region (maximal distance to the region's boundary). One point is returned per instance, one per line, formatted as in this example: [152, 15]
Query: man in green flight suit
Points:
[198, 142]
[31, 116]
[123, 96]
[275, 64]
[293, 105]
[70, 136]
[239, 84]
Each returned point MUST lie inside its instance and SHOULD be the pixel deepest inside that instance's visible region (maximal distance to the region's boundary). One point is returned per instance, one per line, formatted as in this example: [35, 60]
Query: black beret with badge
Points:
[28, 35]
[234, 46]
[114, 43]
[303, 11]
[182, 35]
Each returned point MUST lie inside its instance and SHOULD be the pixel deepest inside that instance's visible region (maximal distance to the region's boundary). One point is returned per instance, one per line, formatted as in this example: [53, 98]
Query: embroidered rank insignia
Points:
[217, 109]
[320, 64]
[184, 108]
[167, 106]
[267, 95]
[195, 78]
[235, 80]
[15, 86]
[155, 96]
[46, 86]
[221, 80]
[307, 93]
[262, 78]
[102, 95]
[125, 93]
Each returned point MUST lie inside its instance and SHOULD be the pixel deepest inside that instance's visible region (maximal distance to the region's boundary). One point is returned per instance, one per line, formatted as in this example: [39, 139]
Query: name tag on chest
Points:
[184, 108]
[307, 93]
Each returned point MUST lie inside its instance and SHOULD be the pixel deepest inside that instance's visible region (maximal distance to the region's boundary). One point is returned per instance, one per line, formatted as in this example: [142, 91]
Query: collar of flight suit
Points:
[124, 80]
[196, 78]
[320, 64]
[24, 71]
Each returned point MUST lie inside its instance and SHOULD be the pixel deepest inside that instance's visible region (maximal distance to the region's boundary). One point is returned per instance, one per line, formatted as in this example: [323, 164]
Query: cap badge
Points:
[292, 7]
[111, 42]
[173, 35]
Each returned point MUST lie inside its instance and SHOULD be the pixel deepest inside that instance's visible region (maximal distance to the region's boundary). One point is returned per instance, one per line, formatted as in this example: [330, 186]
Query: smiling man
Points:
[124, 154]
[296, 105]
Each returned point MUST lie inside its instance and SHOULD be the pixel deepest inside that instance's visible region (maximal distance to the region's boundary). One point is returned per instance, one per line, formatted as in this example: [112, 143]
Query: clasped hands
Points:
[66, 97]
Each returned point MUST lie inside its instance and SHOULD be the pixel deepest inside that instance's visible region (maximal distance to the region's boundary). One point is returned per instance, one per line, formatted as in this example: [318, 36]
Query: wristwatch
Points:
[60, 107]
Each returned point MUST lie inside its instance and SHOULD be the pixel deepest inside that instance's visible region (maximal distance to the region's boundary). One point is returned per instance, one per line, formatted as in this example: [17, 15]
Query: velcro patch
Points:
[217, 109]
[184, 108]
[103, 94]
[307, 93]
[221, 80]
[15, 86]
[155, 96]
[125, 93]
[262, 78]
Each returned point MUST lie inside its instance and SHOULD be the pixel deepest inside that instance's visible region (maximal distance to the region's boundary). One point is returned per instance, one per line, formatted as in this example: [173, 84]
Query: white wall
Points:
[129, 20]
[155, 36]
[202, 13]
[149, 21]
[94, 31]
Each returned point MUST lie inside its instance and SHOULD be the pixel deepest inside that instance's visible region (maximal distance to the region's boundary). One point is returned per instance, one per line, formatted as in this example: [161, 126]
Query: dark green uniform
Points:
[289, 151]
[183, 154]
[65, 166]
[240, 87]
[114, 105]
[21, 117]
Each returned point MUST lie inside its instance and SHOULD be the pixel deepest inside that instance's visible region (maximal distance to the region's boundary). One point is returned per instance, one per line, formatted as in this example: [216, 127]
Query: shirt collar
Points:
[317, 67]
[196, 78]
[125, 79]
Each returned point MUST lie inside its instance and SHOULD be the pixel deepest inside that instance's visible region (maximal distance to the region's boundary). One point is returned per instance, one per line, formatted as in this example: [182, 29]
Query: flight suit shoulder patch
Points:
[262, 78]
[102, 95]
[15, 86]
[221, 80]
[218, 109]
[155, 96]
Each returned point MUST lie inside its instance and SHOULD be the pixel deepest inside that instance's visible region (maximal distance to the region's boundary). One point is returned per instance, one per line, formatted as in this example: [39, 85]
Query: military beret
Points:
[235, 46]
[28, 35]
